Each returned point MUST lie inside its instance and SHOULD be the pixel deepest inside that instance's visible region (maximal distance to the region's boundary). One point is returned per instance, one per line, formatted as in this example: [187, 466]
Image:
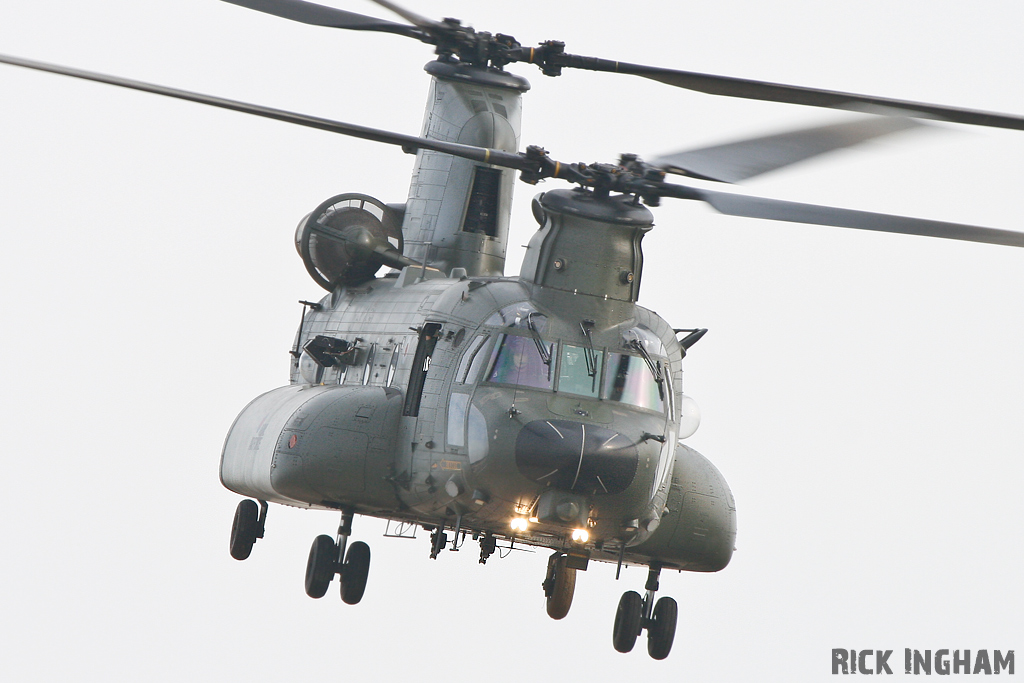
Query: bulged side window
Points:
[628, 379]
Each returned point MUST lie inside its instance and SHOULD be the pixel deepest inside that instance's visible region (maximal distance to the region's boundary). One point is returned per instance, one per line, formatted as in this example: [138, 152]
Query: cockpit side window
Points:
[628, 379]
[518, 360]
[469, 365]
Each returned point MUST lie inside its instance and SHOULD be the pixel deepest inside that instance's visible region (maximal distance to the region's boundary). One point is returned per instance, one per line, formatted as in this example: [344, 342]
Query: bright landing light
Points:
[519, 524]
[580, 535]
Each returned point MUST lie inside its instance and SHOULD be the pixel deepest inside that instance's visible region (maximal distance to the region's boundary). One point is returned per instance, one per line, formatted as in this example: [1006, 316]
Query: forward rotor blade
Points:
[736, 161]
[791, 94]
[408, 15]
[813, 214]
[319, 15]
[409, 143]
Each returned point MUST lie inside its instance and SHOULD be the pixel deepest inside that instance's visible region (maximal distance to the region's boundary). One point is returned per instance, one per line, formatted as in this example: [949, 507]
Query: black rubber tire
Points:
[560, 600]
[321, 566]
[354, 572]
[243, 529]
[662, 629]
[627, 621]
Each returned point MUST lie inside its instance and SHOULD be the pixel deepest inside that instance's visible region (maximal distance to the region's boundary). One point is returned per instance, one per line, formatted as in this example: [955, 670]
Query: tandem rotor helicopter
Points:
[543, 410]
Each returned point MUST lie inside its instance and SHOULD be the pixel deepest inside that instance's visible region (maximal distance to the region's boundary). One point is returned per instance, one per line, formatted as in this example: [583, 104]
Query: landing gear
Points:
[354, 571]
[321, 566]
[635, 614]
[628, 621]
[247, 526]
[559, 586]
[327, 558]
[662, 628]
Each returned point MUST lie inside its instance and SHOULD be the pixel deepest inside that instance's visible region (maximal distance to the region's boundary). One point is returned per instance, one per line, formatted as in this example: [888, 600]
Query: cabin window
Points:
[628, 379]
[579, 371]
[393, 365]
[368, 368]
[457, 407]
[476, 435]
[519, 360]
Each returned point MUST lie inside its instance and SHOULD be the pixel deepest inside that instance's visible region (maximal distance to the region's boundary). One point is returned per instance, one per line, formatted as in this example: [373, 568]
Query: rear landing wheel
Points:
[662, 629]
[320, 567]
[559, 587]
[354, 572]
[627, 621]
[244, 529]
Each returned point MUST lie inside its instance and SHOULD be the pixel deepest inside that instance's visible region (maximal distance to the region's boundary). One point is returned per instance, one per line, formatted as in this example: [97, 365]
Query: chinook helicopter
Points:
[551, 401]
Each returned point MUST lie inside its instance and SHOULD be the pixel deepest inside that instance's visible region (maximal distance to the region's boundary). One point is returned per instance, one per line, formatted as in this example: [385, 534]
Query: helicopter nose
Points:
[576, 457]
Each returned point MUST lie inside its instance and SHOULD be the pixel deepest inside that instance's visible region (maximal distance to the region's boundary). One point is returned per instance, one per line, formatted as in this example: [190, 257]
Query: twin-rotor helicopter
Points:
[541, 410]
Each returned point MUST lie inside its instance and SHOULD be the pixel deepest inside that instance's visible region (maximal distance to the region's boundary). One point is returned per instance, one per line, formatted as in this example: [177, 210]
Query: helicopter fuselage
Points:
[484, 402]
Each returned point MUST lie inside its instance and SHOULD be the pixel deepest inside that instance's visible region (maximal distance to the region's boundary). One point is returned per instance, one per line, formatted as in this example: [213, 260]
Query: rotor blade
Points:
[791, 94]
[813, 214]
[408, 15]
[319, 15]
[408, 143]
[743, 159]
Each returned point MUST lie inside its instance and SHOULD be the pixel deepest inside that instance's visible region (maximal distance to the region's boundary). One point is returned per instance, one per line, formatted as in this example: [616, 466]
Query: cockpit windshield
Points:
[517, 360]
[576, 375]
[528, 359]
[629, 380]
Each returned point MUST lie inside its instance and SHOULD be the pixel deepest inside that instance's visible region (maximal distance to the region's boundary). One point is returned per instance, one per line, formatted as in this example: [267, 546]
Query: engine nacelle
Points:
[698, 530]
[347, 239]
[316, 446]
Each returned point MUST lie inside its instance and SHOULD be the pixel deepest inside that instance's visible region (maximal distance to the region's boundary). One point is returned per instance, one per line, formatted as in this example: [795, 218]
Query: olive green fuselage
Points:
[551, 397]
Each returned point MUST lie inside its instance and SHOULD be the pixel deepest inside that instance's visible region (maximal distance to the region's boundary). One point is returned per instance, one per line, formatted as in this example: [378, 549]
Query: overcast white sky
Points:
[861, 393]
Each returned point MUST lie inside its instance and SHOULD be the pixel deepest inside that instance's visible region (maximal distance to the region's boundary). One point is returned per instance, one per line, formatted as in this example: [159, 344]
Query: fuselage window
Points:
[629, 380]
[368, 368]
[518, 360]
[579, 371]
[458, 405]
[393, 365]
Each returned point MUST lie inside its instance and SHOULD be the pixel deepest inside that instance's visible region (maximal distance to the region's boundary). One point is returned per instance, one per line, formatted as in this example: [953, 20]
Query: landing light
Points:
[519, 524]
[580, 535]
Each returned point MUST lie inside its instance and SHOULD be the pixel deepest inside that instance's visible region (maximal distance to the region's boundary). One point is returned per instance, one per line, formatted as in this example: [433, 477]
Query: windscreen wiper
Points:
[542, 349]
[589, 354]
[652, 365]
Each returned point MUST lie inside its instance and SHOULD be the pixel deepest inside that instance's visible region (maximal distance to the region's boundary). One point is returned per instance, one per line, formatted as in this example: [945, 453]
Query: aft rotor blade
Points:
[736, 161]
[409, 143]
[319, 15]
[791, 94]
[813, 214]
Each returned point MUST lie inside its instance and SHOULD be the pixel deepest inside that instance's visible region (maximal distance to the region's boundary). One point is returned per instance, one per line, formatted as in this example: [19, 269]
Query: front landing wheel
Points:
[244, 529]
[559, 587]
[354, 572]
[662, 629]
[627, 621]
[321, 566]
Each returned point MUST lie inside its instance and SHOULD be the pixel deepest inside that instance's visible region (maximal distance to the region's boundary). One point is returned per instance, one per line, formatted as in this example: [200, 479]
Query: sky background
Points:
[862, 393]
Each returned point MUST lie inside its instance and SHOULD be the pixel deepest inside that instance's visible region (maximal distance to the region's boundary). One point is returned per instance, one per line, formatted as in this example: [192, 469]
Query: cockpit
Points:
[523, 356]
